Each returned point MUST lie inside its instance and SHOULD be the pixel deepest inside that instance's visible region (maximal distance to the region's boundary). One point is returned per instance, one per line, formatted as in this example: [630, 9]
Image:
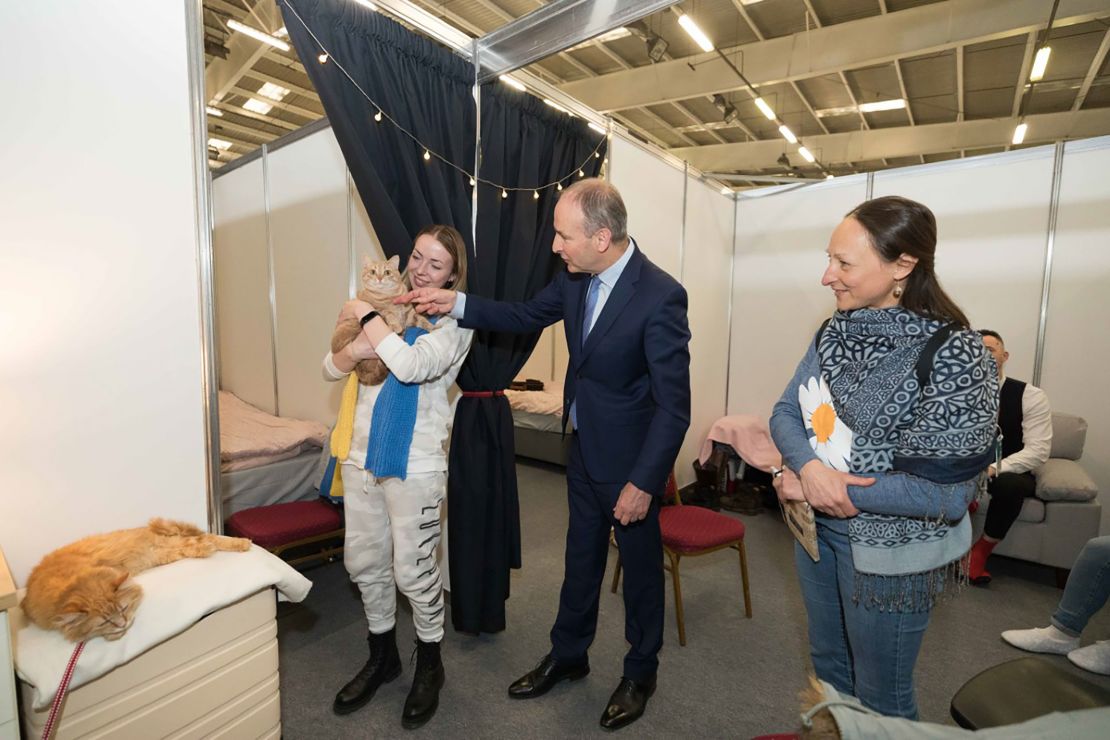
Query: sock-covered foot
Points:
[1094, 658]
[1042, 640]
[977, 562]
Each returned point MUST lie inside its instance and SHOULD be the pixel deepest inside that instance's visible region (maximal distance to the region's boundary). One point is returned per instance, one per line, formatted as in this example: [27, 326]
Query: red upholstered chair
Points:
[693, 530]
[296, 525]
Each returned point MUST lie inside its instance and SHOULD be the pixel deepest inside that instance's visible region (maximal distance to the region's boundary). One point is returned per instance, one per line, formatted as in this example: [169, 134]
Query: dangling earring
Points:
[897, 290]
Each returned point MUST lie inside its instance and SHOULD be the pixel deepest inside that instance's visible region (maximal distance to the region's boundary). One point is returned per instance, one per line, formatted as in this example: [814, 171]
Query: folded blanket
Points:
[175, 596]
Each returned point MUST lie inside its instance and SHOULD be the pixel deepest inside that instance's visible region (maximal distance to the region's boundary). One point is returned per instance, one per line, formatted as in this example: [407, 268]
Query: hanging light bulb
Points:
[536, 195]
[427, 155]
[323, 58]
[581, 173]
[597, 155]
[504, 193]
[472, 183]
[378, 116]
[559, 186]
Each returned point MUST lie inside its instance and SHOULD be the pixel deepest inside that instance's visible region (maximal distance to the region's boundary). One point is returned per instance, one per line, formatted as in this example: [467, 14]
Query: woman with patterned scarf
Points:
[886, 430]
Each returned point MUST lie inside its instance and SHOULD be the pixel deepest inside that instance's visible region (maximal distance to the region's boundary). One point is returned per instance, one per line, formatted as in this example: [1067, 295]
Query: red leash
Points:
[63, 689]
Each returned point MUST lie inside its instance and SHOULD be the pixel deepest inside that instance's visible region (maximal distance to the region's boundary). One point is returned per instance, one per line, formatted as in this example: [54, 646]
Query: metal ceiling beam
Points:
[904, 141]
[295, 109]
[868, 41]
[1092, 72]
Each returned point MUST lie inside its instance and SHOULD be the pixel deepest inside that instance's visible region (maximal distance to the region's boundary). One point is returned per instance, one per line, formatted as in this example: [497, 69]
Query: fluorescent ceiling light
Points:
[219, 144]
[765, 109]
[695, 33]
[272, 91]
[367, 4]
[597, 128]
[512, 83]
[788, 134]
[1040, 63]
[1019, 133]
[878, 105]
[806, 154]
[556, 106]
[254, 105]
[254, 33]
[213, 111]
[750, 2]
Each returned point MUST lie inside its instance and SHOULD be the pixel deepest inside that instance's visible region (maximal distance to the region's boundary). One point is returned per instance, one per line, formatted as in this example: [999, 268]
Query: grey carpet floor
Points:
[735, 677]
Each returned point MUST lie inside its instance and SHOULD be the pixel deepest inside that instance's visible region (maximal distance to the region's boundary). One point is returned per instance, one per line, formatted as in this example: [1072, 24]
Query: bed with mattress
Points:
[538, 425]
[266, 459]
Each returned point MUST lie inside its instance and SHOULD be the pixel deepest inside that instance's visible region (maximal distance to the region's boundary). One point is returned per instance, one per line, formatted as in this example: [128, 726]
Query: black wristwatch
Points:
[368, 317]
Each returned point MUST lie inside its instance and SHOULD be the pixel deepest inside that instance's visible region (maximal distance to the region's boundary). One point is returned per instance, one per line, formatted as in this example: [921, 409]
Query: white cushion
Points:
[1069, 433]
[1064, 480]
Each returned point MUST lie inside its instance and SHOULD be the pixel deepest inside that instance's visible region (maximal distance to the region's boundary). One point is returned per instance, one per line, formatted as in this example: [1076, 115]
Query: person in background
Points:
[889, 463]
[392, 496]
[1025, 419]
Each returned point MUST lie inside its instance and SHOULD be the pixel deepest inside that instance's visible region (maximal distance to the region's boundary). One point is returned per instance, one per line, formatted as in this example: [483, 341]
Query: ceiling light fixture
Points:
[254, 33]
[880, 105]
[765, 109]
[219, 144]
[254, 105]
[512, 83]
[656, 48]
[272, 91]
[807, 155]
[788, 134]
[1040, 64]
[213, 111]
[556, 106]
[696, 33]
[1019, 133]
[727, 109]
[598, 129]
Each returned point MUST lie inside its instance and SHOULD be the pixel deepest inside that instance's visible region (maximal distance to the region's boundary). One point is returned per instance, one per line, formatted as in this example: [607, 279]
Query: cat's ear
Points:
[71, 614]
[394, 262]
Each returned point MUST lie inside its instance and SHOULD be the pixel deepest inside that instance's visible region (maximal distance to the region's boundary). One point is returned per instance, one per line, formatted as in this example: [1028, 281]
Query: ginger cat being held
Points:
[381, 283]
[84, 589]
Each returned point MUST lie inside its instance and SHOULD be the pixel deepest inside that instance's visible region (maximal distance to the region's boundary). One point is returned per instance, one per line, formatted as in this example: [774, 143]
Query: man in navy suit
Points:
[627, 398]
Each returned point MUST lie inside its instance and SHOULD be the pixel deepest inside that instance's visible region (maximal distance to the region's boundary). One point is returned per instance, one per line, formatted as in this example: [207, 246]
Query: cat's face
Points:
[382, 277]
[99, 608]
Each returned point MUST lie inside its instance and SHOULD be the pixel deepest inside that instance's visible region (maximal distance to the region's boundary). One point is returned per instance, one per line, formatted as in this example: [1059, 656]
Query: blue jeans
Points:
[867, 653]
[1088, 587]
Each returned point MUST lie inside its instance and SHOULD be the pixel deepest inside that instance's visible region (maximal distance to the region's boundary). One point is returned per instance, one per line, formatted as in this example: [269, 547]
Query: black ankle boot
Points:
[428, 679]
[384, 666]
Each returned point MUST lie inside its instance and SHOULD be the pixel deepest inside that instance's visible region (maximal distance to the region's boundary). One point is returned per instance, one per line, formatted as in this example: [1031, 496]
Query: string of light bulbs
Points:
[325, 57]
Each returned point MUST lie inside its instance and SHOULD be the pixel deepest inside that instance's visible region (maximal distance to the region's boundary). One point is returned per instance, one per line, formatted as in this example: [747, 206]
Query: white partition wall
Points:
[653, 192]
[778, 300]
[992, 223]
[242, 273]
[1077, 349]
[706, 265]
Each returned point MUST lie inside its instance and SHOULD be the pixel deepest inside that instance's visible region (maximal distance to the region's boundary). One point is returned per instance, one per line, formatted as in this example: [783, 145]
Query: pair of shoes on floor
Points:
[384, 666]
[626, 705]
[1094, 658]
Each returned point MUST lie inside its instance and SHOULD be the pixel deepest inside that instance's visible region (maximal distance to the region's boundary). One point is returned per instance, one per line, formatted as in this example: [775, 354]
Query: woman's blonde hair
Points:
[451, 240]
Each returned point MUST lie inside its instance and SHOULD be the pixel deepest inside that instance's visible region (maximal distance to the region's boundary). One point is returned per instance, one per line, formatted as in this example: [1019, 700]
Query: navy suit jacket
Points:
[632, 377]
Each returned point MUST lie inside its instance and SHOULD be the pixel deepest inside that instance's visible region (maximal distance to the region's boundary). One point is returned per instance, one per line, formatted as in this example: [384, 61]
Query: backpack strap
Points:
[817, 338]
[924, 365]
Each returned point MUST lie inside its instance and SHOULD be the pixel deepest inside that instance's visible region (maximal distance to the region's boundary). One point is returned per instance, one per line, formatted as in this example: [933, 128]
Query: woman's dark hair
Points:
[900, 226]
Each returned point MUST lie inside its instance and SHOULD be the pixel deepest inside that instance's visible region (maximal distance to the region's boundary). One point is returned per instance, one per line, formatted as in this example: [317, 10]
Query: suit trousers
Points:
[591, 516]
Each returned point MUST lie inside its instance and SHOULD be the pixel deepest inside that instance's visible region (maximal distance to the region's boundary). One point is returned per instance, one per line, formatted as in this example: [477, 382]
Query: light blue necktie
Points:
[587, 324]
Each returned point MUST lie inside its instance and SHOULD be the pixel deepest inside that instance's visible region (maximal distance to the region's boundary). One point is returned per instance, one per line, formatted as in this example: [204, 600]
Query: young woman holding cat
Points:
[392, 491]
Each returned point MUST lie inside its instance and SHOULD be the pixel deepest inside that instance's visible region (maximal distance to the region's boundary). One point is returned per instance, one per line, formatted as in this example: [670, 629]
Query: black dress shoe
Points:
[627, 703]
[549, 672]
[384, 666]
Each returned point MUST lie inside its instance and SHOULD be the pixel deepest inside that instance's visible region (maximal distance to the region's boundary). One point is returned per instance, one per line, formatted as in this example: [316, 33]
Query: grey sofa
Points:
[1055, 524]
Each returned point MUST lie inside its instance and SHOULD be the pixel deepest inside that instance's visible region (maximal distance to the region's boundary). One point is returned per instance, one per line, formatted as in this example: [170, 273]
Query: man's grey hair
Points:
[602, 207]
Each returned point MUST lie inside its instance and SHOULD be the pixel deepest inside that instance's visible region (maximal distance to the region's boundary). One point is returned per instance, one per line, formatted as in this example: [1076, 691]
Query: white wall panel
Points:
[100, 373]
[241, 256]
[778, 299]
[1077, 350]
[992, 222]
[652, 192]
[707, 261]
[308, 224]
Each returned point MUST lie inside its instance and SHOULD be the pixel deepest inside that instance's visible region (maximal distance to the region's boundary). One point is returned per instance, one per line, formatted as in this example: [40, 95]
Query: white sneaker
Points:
[1042, 640]
[1094, 658]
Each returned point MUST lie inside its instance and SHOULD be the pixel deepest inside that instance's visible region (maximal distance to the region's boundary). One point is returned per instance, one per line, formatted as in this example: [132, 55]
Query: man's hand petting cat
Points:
[353, 309]
[361, 349]
[429, 301]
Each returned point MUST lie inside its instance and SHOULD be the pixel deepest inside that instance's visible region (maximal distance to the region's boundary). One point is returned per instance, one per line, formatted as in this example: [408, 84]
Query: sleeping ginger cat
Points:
[381, 283]
[84, 589]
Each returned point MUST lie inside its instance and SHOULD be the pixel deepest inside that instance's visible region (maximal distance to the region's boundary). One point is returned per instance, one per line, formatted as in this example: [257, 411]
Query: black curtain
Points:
[525, 144]
[427, 89]
[418, 83]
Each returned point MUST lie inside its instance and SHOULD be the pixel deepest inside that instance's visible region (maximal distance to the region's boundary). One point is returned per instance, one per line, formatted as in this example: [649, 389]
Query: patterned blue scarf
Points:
[943, 434]
[393, 423]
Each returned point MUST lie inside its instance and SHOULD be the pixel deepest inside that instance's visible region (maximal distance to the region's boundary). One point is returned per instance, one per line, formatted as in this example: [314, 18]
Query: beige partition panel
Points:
[364, 240]
[241, 256]
[309, 237]
[653, 193]
[707, 261]
[1077, 351]
[778, 299]
[541, 363]
[992, 222]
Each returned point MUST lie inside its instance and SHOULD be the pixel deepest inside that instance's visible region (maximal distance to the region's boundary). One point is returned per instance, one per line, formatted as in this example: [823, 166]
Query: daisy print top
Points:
[829, 435]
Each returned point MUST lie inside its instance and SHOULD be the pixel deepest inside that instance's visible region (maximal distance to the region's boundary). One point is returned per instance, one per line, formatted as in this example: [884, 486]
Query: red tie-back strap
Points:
[482, 394]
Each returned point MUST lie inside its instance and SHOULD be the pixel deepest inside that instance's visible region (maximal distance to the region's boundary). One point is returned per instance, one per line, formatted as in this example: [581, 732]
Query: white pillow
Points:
[1064, 480]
